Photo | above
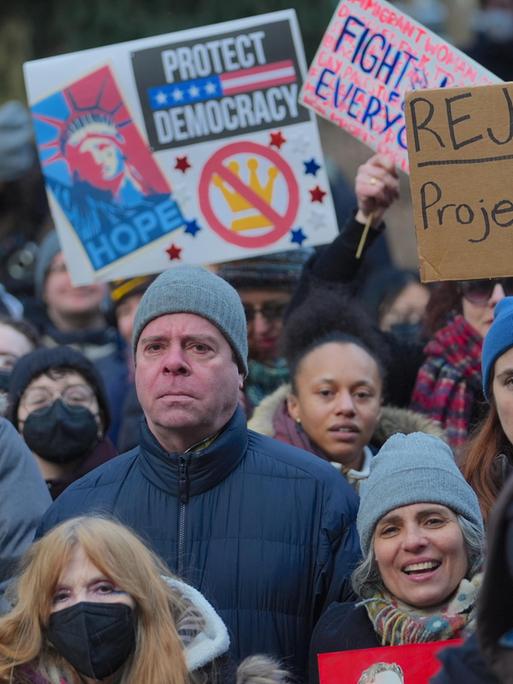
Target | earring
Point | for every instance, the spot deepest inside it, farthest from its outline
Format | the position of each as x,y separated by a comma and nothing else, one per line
298,421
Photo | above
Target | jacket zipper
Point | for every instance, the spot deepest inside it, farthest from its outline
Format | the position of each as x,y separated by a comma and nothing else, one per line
182,484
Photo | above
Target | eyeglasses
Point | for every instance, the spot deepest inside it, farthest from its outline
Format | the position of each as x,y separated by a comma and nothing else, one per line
480,291
271,311
73,395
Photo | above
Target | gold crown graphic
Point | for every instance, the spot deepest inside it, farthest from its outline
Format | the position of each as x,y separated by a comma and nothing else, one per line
238,204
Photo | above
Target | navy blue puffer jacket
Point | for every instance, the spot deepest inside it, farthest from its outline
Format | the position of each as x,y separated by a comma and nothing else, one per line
264,530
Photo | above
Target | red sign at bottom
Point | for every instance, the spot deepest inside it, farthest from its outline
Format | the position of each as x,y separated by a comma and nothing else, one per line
412,664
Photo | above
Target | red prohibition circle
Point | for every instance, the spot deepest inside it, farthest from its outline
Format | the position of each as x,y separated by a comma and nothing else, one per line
282,222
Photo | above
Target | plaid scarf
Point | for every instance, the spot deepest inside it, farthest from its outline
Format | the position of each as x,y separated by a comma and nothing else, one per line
448,384
396,624
263,379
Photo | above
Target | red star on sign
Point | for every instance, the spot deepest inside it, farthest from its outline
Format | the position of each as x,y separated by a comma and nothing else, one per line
182,164
277,139
317,194
174,252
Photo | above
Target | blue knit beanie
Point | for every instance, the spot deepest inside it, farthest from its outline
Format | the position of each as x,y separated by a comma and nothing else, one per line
499,339
191,289
411,469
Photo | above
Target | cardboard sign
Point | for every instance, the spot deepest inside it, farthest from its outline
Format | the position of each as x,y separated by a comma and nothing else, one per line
188,147
412,664
461,157
369,57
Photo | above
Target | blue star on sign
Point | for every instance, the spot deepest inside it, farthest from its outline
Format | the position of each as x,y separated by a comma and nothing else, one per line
298,237
311,167
191,228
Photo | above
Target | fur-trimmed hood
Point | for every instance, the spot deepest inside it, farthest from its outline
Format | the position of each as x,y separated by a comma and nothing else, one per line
392,420
203,633
205,639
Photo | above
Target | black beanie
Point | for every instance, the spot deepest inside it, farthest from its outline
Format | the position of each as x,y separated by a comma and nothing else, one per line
36,363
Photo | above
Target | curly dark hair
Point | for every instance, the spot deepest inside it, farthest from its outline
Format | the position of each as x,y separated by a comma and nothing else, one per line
328,315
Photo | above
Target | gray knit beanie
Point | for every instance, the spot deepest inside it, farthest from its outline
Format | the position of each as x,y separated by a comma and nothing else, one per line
191,289
410,469
45,254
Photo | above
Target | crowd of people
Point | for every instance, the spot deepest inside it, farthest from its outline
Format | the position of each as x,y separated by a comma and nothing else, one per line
216,475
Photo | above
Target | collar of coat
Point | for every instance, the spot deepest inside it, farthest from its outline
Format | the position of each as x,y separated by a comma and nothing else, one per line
194,472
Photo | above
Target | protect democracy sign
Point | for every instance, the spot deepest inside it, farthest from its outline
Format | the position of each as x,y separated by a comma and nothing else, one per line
194,90
188,147
371,55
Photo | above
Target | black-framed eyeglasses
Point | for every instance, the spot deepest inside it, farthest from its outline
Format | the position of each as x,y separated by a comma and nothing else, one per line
271,311
480,291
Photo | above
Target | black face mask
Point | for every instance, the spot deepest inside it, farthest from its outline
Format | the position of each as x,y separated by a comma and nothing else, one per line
60,433
5,376
95,638
407,332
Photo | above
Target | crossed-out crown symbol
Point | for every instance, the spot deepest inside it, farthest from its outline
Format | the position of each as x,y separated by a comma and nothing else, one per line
248,217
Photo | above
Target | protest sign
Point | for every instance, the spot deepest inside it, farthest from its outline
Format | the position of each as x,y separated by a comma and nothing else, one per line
460,143
187,147
369,57
411,664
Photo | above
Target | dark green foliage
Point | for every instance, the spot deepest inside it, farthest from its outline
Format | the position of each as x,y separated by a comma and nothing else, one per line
59,26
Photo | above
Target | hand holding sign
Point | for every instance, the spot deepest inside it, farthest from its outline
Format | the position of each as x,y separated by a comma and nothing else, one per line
377,192
376,188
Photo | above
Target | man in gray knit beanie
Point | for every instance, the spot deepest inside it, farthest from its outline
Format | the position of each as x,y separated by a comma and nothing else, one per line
190,289
262,527
189,388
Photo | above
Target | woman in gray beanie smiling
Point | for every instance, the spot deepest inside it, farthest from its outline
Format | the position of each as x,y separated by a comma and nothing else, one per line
421,534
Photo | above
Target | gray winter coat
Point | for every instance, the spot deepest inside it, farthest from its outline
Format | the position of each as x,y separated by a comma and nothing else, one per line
24,497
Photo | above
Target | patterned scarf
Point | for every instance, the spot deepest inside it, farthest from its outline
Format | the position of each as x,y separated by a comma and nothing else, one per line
263,379
448,385
396,624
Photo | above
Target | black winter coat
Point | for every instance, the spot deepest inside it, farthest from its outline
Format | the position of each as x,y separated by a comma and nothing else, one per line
262,529
464,665
343,627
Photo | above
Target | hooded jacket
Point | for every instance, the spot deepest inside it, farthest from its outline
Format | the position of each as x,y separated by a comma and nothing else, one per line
260,528
206,643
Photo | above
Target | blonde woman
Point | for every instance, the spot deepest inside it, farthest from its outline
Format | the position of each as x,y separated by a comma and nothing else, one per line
94,604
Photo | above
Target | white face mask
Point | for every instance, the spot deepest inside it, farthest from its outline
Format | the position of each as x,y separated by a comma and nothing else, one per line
496,24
